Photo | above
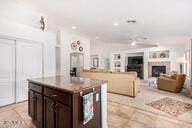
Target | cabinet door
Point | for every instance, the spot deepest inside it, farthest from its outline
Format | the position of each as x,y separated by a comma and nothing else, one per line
63,116
48,113
7,72
31,104
29,65
38,109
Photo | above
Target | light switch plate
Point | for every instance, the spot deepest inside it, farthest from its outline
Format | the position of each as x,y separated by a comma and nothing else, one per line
97,97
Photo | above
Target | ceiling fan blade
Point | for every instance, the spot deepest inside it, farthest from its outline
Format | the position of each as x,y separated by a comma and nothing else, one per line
130,39
148,45
140,38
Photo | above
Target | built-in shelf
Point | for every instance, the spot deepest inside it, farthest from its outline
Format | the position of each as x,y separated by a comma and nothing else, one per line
116,62
117,56
117,70
117,67
162,54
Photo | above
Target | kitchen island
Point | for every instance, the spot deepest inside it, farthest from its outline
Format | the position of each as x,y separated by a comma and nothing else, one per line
57,102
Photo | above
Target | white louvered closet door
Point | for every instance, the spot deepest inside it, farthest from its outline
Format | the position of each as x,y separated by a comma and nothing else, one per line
28,65
7,71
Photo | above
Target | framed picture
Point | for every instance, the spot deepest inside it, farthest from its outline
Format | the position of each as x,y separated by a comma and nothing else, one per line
95,62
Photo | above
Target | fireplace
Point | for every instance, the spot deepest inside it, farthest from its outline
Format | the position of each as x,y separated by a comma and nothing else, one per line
156,70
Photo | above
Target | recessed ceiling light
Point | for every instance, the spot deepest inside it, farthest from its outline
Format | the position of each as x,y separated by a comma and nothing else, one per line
115,24
73,27
133,43
97,37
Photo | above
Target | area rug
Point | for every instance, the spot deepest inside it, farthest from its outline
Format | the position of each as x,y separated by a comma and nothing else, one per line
171,106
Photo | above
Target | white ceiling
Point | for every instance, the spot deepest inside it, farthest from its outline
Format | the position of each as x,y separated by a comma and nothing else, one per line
157,19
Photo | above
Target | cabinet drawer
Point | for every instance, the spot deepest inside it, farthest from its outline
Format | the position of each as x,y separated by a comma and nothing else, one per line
58,96
35,88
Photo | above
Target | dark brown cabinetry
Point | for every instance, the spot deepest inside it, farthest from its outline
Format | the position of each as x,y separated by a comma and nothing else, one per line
57,108
31,102
56,114
48,113
39,109
63,116
35,107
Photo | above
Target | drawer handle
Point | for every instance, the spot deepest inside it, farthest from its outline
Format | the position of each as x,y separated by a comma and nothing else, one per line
54,95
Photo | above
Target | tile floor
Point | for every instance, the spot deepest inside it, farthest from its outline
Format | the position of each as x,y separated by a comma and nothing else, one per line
119,116
150,94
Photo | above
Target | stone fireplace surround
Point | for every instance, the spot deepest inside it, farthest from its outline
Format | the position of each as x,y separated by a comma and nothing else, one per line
162,63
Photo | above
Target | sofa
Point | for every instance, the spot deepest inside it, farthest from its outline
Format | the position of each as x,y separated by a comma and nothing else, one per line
174,83
125,83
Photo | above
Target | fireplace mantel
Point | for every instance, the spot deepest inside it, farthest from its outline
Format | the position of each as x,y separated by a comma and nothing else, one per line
162,63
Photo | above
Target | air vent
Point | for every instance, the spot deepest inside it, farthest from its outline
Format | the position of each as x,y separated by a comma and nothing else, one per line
132,21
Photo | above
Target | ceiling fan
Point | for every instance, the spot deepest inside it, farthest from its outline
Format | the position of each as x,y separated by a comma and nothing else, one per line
137,41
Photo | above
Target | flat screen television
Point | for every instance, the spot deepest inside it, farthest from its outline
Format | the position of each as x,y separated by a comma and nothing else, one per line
135,60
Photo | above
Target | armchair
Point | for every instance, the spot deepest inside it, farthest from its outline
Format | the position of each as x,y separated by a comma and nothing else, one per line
172,84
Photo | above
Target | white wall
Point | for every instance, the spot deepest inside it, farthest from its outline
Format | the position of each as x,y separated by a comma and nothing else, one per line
15,12
188,45
105,48
66,39
19,21
16,30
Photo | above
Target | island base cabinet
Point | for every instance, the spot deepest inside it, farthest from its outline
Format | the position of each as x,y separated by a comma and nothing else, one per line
31,104
52,107
56,114
35,107
48,113
38,110
63,116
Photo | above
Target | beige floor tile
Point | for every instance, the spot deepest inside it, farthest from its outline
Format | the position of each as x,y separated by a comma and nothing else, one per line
5,108
10,119
143,118
134,124
120,110
115,121
162,123
9,115
21,104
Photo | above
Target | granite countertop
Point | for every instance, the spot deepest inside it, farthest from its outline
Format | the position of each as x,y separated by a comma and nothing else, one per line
69,84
